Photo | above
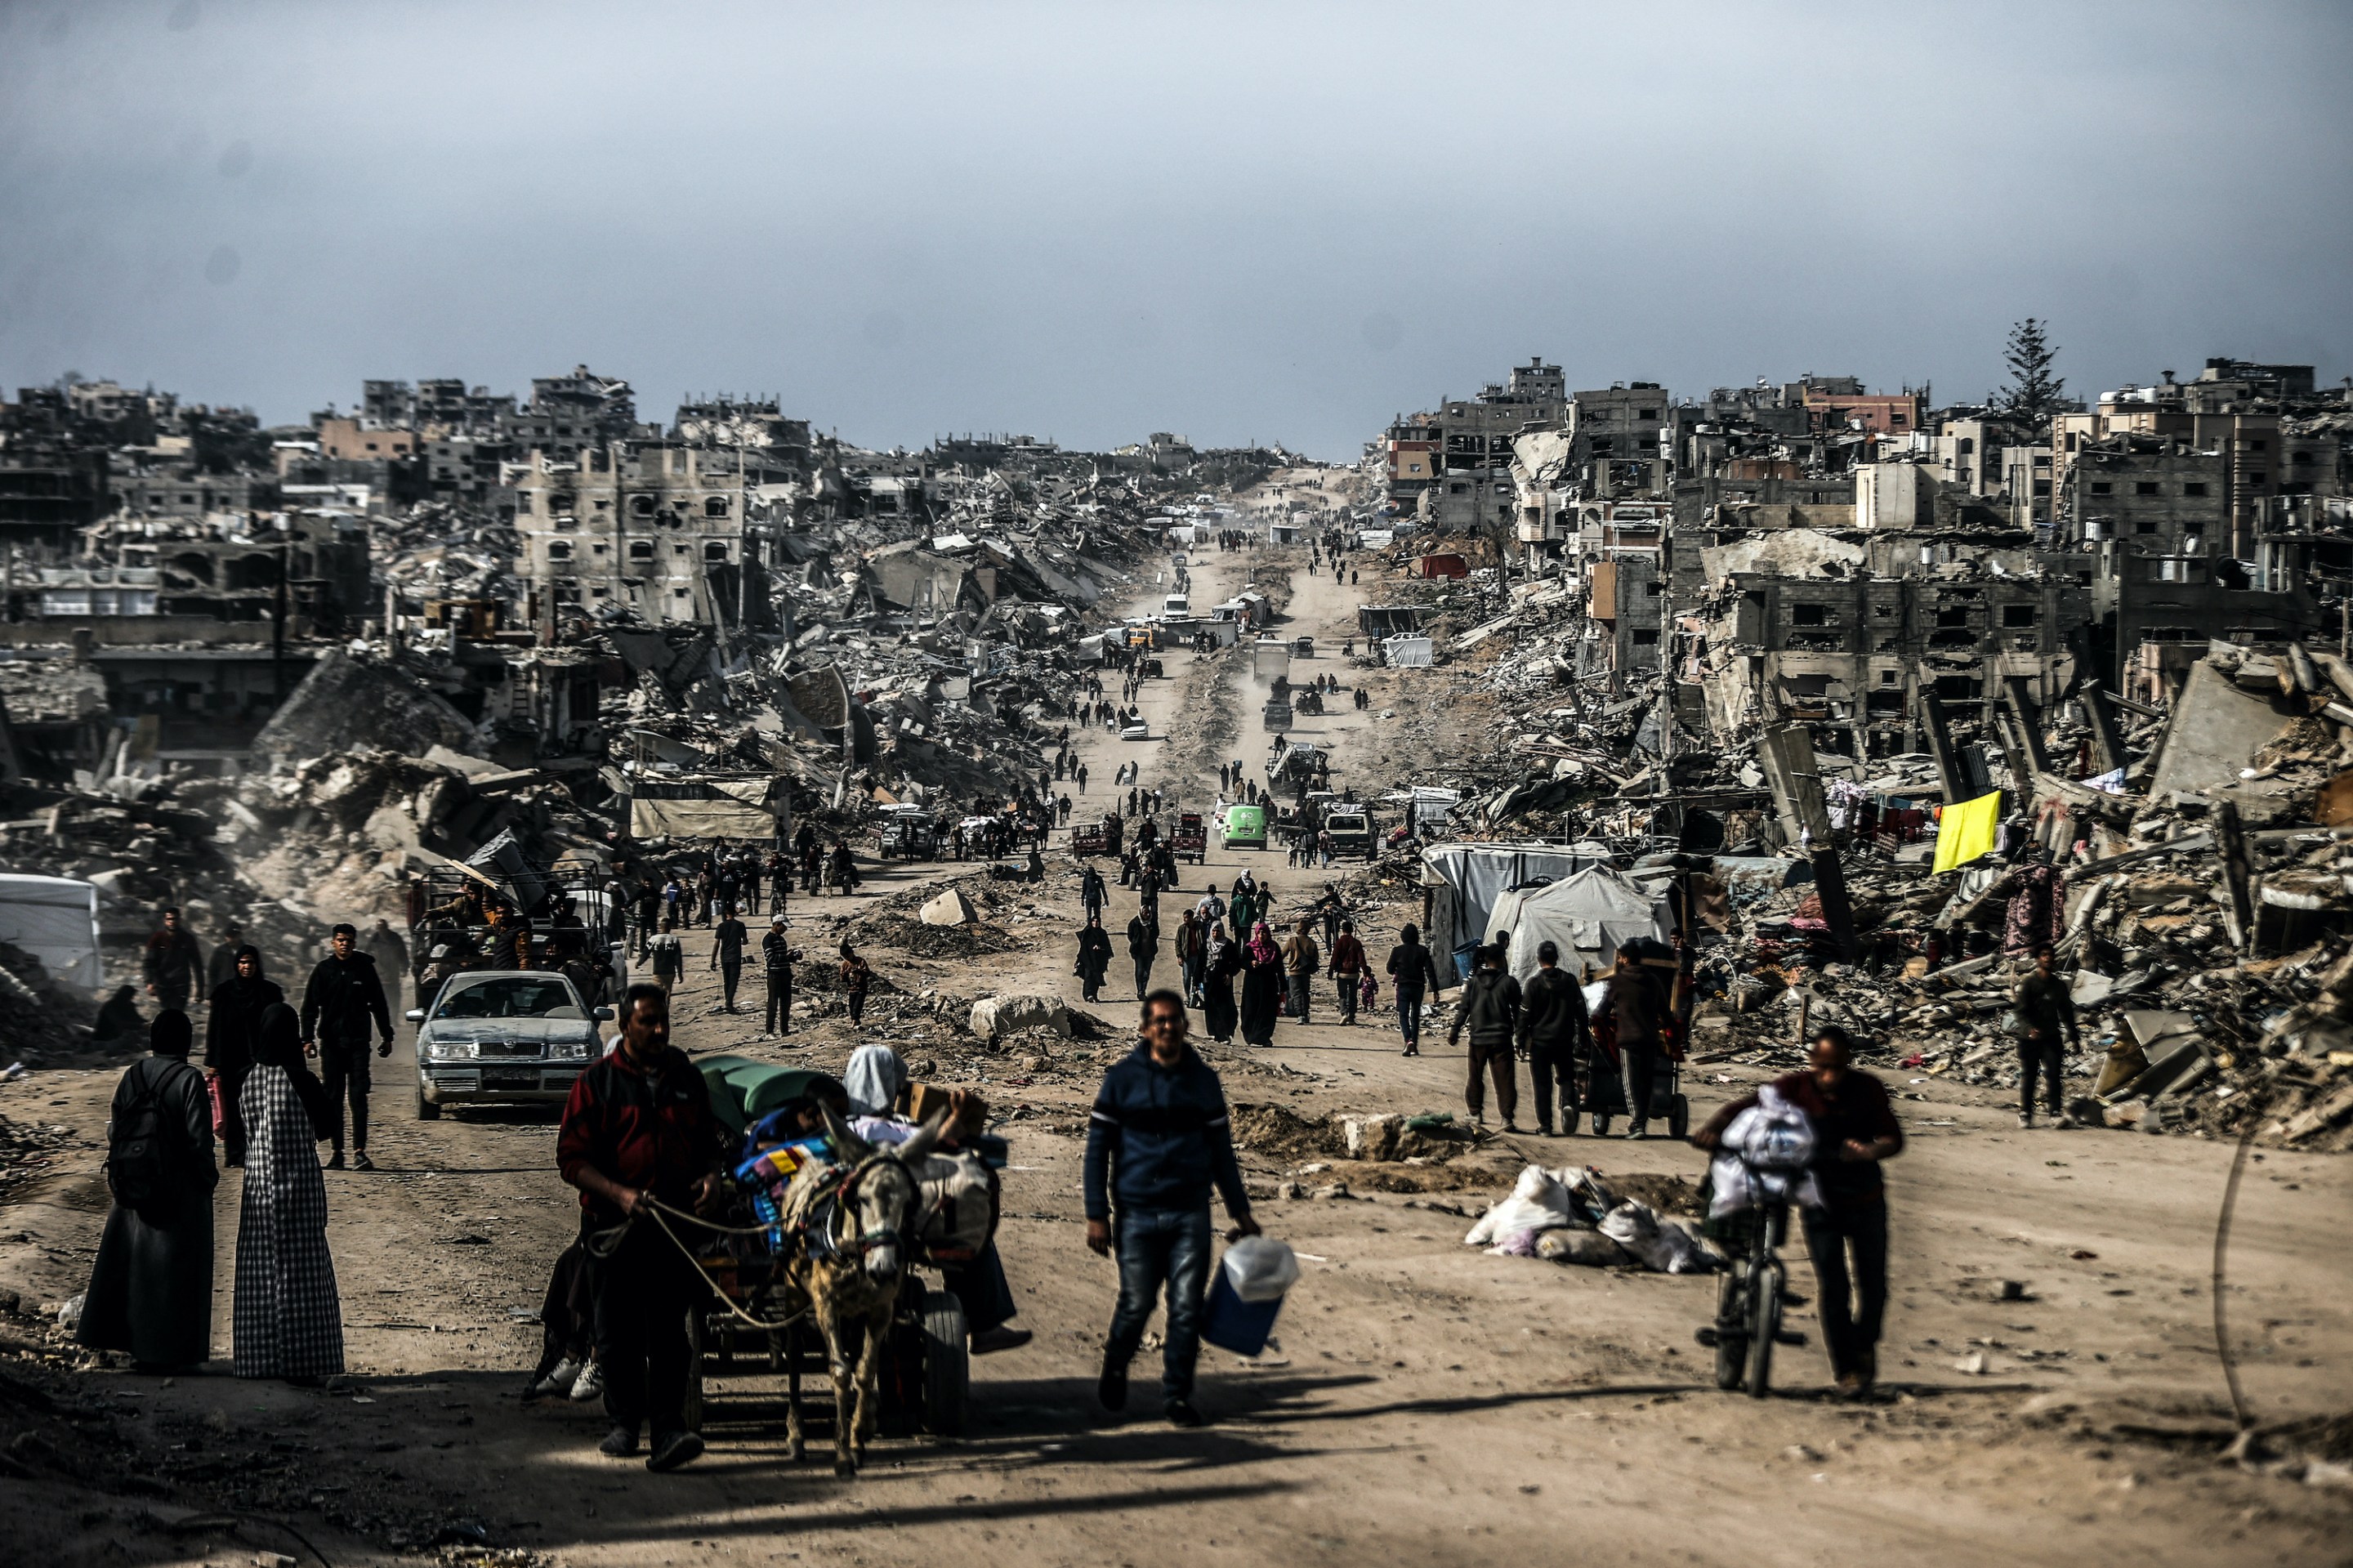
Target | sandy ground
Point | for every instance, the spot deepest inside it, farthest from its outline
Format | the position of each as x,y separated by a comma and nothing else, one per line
1426,1402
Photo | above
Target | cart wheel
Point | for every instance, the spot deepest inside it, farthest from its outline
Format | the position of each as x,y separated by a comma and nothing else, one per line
1600,1124
1568,1121
694,1405
947,1364
425,1109
1678,1116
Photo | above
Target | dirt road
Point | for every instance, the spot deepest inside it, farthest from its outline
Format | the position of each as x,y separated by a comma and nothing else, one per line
1428,1403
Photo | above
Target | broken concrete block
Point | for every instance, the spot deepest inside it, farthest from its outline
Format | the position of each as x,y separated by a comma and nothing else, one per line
994,1017
950,908
1372,1137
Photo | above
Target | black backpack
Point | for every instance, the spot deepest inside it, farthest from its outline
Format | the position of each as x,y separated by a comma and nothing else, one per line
140,1144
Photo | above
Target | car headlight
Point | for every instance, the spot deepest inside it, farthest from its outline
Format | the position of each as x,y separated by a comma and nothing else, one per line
449,1050
571,1051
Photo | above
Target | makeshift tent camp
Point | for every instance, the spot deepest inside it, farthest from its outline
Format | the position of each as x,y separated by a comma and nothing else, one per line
1589,915
1463,882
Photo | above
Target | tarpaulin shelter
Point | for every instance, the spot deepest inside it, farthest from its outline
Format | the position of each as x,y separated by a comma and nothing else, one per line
1590,914
1407,652
1463,883
708,809
54,918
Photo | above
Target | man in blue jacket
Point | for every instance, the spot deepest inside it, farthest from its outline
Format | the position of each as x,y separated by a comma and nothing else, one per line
1159,1140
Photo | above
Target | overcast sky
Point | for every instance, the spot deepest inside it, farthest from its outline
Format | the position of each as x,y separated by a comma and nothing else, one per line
1092,221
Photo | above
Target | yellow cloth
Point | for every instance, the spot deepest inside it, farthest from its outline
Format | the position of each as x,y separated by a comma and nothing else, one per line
1966,831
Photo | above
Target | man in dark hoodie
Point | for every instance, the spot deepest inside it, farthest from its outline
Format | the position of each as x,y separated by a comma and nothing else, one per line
1490,1009
1554,1029
172,963
1158,1142
343,997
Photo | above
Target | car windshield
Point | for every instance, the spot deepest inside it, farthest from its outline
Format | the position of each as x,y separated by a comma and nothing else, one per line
511,996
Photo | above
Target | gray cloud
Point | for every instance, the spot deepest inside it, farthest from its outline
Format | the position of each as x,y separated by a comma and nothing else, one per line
1092,222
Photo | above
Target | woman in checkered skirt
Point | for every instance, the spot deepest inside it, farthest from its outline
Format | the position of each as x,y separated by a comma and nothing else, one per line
289,1320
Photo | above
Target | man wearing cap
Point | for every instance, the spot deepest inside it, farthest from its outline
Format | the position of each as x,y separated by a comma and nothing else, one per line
777,953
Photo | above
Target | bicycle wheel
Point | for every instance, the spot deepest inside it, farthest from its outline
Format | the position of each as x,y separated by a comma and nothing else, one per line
1764,1323
1731,1317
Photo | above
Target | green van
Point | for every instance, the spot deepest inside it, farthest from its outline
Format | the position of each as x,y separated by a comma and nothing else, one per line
1245,828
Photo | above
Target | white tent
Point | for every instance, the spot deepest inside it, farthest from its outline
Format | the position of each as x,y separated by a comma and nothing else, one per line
54,918
1407,652
1589,914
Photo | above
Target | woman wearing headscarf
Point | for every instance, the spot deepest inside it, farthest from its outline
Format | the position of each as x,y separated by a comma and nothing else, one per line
1263,986
151,1291
289,1320
1220,961
1094,958
230,1031
875,1078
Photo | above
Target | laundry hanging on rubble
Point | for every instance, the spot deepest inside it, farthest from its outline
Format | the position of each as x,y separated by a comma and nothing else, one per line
1965,832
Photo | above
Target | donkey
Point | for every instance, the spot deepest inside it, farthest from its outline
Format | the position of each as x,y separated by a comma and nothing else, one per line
848,1271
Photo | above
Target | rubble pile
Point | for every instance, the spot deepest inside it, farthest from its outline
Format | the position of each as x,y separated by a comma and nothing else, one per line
896,922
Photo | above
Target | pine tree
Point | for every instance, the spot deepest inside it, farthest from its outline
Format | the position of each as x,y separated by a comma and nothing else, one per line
2034,394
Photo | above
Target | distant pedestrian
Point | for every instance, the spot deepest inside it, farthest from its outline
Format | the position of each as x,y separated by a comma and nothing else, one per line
232,1028
666,956
1490,1009
777,957
1348,968
2046,1008
1142,947
1553,1034
344,997
221,966
1263,986
171,962
727,942
857,980
1094,961
1628,1031
1301,961
151,1290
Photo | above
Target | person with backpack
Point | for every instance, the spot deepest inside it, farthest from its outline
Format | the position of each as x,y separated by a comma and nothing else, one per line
151,1291
1490,1010
1855,1131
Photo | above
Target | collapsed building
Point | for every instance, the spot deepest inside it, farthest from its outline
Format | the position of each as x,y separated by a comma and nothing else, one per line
278,674
1758,653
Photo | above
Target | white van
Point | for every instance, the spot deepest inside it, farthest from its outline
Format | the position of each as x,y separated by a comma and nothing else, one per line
1176,607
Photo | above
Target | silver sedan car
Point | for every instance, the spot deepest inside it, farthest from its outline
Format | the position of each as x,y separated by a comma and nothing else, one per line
502,1037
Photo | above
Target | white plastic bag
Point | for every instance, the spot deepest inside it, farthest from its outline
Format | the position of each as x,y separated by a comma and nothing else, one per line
1538,1203
1662,1246
1773,1134
1260,1268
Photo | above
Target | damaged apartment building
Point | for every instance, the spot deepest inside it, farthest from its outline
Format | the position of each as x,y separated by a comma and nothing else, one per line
1817,550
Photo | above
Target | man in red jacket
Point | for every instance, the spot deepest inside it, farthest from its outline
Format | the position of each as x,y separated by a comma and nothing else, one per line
1855,1129
637,1128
